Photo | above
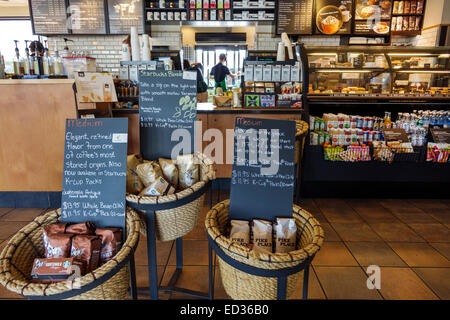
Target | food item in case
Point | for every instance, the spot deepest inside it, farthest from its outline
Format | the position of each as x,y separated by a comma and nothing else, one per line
160,187
400,7
412,23
188,171
419,7
86,228
399,23
134,184
407,7
285,235
87,249
111,242
262,236
170,171
58,245
148,172
55,270
405,24
417,25
394,24
395,8
240,232
413,6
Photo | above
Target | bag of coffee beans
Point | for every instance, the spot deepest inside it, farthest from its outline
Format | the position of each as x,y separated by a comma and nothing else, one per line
188,171
285,235
240,232
148,172
170,171
134,184
57,245
111,242
86,228
52,229
87,249
262,236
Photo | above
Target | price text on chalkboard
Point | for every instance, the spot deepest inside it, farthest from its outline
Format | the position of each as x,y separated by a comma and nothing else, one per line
94,177
262,183
295,16
168,111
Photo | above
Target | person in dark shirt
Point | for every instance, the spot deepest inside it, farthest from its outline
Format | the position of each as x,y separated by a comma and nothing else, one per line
220,72
202,87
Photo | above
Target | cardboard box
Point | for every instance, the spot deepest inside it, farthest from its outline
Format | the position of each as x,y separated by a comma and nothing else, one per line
54,270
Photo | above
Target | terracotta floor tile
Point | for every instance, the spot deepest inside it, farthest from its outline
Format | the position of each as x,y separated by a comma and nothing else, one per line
310,206
374,253
443,248
399,206
432,232
7,229
438,279
162,252
6,294
371,210
345,283
330,234
428,205
395,231
403,284
355,232
219,290
4,211
441,215
142,283
336,210
410,218
334,254
195,253
314,289
27,214
419,254
193,277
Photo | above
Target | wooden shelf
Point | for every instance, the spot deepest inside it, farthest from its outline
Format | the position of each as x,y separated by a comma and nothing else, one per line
406,33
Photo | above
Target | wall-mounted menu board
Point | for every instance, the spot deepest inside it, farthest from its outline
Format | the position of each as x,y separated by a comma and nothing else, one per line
295,16
333,16
88,17
95,171
262,183
48,16
124,14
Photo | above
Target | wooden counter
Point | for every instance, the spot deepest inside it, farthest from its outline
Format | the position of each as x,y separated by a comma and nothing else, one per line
32,126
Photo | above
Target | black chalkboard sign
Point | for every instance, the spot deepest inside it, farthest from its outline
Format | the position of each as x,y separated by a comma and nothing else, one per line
168,111
95,169
263,177
295,16
441,135
395,134
48,17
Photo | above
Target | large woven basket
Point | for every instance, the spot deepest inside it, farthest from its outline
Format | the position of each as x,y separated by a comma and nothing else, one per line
16,261
242,286
174,223
301,131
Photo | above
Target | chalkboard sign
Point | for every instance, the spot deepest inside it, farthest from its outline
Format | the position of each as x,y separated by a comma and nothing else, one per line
263,176
48,17
441,135
124,14
95,169
295,16
88,17
168,102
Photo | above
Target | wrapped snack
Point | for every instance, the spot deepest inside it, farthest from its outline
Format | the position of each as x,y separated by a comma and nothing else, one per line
55,270
86,228
52,229
111,242
285,235
87,249
148,172
262,236
58,246
158,188
381,152
134,184
188,171
170,171
240,232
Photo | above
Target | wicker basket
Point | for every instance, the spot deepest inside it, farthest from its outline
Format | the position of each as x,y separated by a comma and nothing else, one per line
109,282
175,223
242,286
301,129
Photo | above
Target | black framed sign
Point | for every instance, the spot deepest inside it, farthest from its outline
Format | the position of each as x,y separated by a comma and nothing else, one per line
94,172
263,176
441,135
48,17
294,16
168,111
87,17
124,14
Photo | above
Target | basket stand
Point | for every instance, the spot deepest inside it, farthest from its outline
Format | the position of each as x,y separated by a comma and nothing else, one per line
280,274
299,166
149,210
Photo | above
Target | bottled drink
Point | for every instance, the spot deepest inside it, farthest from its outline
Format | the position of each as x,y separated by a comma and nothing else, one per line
387,120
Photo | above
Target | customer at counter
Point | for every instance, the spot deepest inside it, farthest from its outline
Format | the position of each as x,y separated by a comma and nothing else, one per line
202,87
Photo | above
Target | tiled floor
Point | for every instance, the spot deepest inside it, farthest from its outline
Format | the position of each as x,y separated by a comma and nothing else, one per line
408,239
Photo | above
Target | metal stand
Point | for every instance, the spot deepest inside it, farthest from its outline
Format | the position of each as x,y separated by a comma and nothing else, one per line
281,274
150,210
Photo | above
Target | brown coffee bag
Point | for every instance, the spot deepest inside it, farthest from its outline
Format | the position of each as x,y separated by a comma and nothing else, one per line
111,242
240,232
52,229
262,236
148,172
285,235
87,249
58,245
188,171
170,171
85,228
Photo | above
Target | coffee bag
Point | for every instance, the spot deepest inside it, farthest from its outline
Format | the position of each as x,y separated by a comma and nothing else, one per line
85,228
148,172
170,171
158,188
240,232
262,236
134,184
58,245
285,235
52,229
188,171
111,242
87,249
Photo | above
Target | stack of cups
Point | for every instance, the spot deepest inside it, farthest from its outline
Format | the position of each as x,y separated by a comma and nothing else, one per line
135,46
145,48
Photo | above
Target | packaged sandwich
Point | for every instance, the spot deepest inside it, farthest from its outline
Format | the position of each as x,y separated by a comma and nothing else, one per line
58,245
240,232
148,172
111,242
285,235
158,188
170,171
86,228
134,184
188,171
262,236
87,249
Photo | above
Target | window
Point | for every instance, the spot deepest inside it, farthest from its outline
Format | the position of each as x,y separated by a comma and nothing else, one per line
16,30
